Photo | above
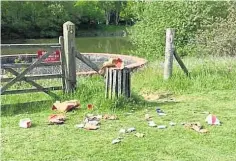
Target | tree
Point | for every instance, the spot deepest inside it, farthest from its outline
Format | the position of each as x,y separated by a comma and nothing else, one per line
186,17
127,11
90,10
219,38
107,7
118,7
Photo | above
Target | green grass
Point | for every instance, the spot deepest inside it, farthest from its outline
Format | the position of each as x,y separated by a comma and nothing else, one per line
211,88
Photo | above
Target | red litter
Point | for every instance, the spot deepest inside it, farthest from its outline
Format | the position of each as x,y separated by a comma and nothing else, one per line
90,106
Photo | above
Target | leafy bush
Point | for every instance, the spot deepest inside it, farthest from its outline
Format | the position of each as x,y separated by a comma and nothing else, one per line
219,38
186,17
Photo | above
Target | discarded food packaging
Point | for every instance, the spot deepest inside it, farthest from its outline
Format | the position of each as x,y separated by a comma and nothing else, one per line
56,119
212,120
65,106
25,123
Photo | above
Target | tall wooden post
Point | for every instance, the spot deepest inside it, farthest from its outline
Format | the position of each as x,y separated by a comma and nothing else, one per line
70,60
169,51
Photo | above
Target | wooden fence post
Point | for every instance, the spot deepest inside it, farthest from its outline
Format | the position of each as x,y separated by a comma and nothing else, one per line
169,51
70,60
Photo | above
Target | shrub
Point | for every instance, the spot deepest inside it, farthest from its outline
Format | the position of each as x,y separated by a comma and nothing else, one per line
219,38
186,17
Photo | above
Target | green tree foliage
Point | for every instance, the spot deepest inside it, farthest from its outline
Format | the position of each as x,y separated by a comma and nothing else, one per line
107,7
89,10
34,19
219,38
186,17
126,13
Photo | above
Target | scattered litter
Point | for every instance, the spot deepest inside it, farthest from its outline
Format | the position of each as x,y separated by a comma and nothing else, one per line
56,119
160,112
90,117
79,126
148,117
65,106
112,62
110,117
131,130
25,123
116,141
122,131
152,124
196,126
94,122
139,135
90,106
172,124
161,127
212,120
90,122
89,126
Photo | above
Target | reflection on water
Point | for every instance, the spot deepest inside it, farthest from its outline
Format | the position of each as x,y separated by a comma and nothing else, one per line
116,45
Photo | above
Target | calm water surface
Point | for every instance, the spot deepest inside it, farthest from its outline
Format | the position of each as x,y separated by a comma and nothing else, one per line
116,45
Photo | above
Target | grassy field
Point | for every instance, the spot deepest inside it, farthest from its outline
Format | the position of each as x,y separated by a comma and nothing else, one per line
211,87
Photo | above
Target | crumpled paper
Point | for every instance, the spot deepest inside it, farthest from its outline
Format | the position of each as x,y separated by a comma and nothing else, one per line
56,119
65,106
112,62
196,126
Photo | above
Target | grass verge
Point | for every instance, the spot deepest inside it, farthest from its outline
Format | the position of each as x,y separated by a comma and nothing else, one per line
210,88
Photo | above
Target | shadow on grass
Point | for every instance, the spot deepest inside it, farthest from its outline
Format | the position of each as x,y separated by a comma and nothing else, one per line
27,107
137,102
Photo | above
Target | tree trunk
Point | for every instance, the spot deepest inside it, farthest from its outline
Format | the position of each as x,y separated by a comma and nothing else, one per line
117,17
107,14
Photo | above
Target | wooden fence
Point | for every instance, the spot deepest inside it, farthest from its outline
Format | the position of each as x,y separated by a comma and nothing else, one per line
68,55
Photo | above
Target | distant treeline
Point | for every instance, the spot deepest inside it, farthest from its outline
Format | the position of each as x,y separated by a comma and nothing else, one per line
201,27
44,19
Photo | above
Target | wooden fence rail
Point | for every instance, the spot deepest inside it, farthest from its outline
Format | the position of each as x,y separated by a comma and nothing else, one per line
18,46
35,77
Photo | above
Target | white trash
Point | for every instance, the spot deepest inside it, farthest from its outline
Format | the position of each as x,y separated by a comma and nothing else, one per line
161,127
212,120
131,129
152,124
122,131
172,124
25,123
